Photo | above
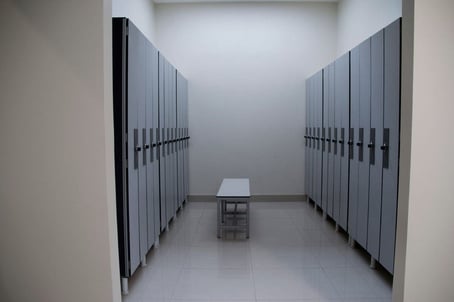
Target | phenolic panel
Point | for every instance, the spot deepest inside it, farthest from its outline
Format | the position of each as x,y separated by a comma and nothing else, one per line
154,82
318,102
307,142
162,146
324,137
362,140
391,140
331,144
148,145
335,141
309,162
135,95
376,136
342,84
353,133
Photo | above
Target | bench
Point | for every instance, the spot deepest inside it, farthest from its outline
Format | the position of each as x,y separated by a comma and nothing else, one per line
233,194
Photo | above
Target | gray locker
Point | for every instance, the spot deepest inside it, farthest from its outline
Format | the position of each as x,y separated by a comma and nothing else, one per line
180,126
390,145
360,118
170,207
129,102
150,143
324,139
342,93
309,150
331,144
317,103
161,145
186,141
361,143
135,94
376,136
336,149
307,142
353,133
154,133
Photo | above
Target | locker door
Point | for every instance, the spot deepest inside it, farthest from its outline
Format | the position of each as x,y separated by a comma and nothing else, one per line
376,134
148,143
331,104
186,151
323,139
141,94
154,139
178,141
361,142
168,168
335,146
169,164
162,139
390,146
309,125
307,143
353,134
135,94
319,136
318,121
180,93
175,144
314,136
343,98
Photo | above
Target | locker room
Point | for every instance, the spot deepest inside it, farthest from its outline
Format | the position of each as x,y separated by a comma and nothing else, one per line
205,150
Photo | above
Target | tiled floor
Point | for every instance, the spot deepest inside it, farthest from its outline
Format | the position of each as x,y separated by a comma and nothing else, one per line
292,255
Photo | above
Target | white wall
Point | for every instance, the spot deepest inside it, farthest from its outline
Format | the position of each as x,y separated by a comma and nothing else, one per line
246,64
426,265
57,206
360,19
140,12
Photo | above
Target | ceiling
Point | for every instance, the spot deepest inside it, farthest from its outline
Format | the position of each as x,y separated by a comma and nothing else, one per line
237,1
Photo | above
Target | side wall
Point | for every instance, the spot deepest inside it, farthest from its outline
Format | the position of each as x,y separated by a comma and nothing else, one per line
140,12
57,204
425,246
360,19
246,64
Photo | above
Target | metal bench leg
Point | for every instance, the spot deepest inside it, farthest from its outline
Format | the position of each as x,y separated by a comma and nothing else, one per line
247,215
219,218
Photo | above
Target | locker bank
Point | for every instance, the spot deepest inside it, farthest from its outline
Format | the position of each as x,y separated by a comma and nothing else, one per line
169,150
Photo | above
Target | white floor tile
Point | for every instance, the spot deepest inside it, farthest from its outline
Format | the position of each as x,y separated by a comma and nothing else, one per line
292,284
292,255
284,257
215,284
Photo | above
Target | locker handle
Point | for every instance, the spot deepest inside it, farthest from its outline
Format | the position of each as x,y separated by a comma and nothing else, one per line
341,142
327,139
350,143
146,146
154,145
317,138
138,148
359,144
384,147
370,145
334,141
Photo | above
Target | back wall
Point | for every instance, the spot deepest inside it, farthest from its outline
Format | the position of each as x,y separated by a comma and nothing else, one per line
246,64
